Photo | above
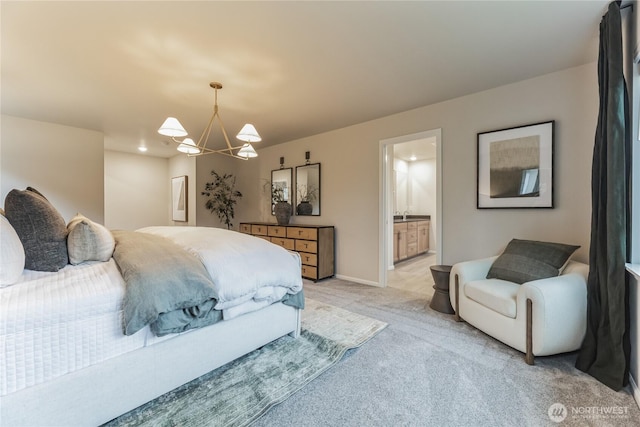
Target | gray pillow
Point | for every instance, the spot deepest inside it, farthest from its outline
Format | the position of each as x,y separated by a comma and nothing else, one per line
40,227
526,260
88,241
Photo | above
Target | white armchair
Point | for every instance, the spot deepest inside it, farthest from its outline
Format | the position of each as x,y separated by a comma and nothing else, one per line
539,318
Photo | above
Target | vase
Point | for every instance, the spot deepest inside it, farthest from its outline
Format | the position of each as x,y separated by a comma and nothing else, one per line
304,208
283,212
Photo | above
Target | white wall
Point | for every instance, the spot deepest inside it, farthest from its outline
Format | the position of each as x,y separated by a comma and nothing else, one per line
349,158
63,163
137,191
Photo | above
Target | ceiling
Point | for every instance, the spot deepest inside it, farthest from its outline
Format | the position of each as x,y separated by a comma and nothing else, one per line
293,69
420,149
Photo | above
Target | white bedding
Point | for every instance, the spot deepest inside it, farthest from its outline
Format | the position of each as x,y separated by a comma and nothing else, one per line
242,267
55,323
52,324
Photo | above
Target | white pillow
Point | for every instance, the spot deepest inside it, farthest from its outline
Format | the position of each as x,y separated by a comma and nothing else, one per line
88,241
11,254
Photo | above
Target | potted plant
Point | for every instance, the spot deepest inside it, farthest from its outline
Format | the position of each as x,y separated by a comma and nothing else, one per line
222,197
306,194
281,208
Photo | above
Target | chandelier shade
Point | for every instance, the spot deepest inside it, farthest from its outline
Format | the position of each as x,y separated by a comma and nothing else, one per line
247,151
248,134
188,146
172,127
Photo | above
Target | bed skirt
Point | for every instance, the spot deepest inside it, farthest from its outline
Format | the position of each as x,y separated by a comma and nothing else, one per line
101,392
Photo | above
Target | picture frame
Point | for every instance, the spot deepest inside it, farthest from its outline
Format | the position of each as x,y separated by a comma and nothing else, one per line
515,167
179,200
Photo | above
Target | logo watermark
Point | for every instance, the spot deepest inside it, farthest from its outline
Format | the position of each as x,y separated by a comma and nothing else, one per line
558,412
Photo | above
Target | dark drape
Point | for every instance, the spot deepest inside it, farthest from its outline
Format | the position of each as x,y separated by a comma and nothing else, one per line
605,350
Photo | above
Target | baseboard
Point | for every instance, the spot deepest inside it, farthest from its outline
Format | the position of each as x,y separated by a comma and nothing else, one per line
635,390
357,280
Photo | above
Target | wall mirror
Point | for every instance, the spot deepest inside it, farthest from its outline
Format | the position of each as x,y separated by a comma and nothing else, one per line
308,189
281,186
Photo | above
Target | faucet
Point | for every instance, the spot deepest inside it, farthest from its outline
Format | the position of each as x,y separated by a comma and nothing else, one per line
404,215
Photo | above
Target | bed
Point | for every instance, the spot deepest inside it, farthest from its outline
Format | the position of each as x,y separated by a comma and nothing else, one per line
68,353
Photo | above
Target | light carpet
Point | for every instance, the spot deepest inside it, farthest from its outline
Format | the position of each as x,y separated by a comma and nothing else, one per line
240,392
426,369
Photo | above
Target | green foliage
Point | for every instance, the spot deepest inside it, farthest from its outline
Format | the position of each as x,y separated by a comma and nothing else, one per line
222,196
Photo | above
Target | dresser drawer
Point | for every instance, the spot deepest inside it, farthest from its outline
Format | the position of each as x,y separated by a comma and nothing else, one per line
314,244
309,259
285,243
412,235
302,233
412,225
309,272
277,231
259,229
310,246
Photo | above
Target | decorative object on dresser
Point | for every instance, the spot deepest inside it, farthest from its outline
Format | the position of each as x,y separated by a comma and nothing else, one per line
410,237
281,193
314,243
282,211
222,196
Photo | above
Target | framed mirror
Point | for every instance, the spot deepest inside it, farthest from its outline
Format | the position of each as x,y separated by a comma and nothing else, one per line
308,189
281,186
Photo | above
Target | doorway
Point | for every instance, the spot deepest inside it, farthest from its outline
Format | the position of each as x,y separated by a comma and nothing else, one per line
388,203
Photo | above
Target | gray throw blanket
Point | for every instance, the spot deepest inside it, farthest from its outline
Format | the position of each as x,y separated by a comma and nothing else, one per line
167,287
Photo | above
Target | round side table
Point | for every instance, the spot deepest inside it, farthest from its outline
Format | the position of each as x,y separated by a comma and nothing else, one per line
440,301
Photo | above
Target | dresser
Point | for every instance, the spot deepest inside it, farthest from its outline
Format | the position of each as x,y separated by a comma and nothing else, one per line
314,243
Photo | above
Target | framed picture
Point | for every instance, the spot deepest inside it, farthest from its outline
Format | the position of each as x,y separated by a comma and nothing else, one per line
515,167
179,198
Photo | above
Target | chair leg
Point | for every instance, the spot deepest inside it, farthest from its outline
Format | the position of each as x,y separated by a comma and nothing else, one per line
456,316
529,356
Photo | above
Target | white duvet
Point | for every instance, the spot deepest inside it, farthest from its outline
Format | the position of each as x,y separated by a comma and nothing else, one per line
245,270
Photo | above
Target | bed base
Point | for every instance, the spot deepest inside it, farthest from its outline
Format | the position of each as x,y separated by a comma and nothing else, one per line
99,393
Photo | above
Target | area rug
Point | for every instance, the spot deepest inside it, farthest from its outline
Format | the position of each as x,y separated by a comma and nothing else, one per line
240,392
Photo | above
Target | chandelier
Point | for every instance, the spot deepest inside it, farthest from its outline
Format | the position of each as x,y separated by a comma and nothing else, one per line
248,134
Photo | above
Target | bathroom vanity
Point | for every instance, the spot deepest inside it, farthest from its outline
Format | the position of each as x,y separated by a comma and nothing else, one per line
410,236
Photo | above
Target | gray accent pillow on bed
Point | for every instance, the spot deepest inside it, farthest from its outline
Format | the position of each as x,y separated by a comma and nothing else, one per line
41,228
88,241
526,260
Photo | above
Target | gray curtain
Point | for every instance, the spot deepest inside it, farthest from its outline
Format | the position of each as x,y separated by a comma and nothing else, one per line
605,350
